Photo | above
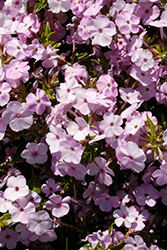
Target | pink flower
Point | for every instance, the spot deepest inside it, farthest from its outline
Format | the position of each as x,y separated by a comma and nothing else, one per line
130,156
4,96
9,238
16,188
101,237
127,22
38,102
72,150
102,169
79,130
56,6
58,206
146,195
35,153
19,211
50,187
130,95
39,222
4,203
106,202
16,69
18,116
161,175
72,169
135,243
123,217
101,30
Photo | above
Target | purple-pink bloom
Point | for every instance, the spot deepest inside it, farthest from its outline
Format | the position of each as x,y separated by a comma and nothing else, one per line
57,205
135,243
16,188
123,216
130,156
16,69
4,93
37,102
106,202
9,238
161,175
101,30
102,169
50,187
99,237
35,153
39,222
18,116
146,195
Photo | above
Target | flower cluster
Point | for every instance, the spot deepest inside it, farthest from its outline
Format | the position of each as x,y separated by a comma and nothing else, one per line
83,131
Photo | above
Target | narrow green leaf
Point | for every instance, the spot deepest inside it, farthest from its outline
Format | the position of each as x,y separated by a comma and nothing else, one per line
39,6
34,183
117,247
151,125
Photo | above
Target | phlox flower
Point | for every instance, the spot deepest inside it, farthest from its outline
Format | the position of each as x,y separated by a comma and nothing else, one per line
130,95
140,217
101,30
34,198
161,175
36,49
146,195
111,124
3,126
133,126
16,69
127,22
93,191
135,243
76,170
130,156
57,205
161,95
82,28
50,57
16,188
107,85
21,4
78,130
102,169
54,137
16,48
4,93
9,238
99,237
39,222
28,24
106,202
145,60
35,153
4,203
77,7
21,209
37,102
50,187
72,150
94,8
123,217
56,6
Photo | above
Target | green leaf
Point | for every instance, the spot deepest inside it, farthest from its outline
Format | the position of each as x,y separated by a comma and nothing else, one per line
47,29
39,6
34,183
81,55
117,247
17,156
4,219
110,228
151,125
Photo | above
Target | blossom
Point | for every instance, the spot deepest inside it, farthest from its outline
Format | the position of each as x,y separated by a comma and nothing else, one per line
79,130
16,69
50,187
56,6
38,102
101,30
35,153
146,195
39,222
18,116
99,237
130,156
102,169
127,22
9,238
161,175
106,202
4,93
135,243
19,211
4,203
123,217
16,188
57,205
